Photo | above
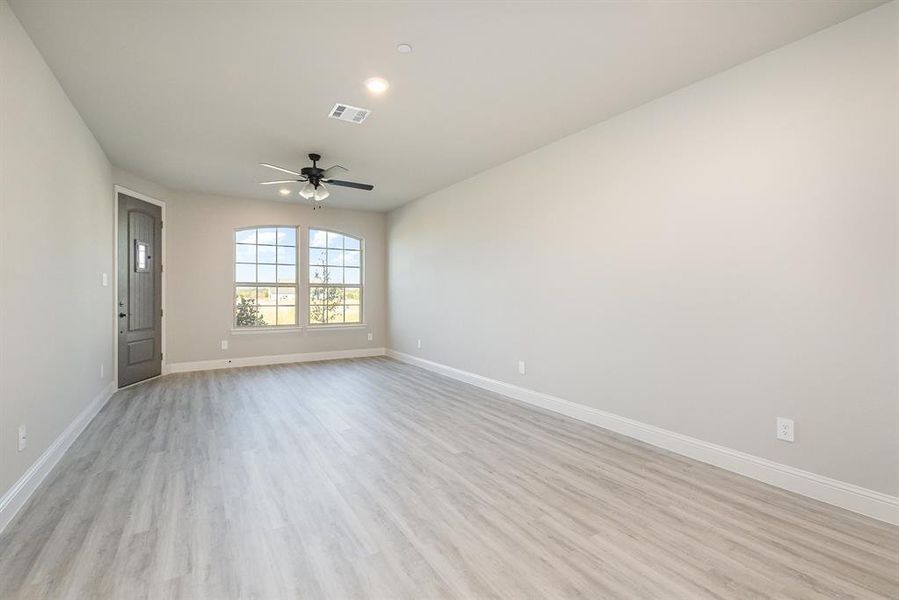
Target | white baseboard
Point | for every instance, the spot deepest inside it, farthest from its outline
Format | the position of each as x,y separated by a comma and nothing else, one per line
276,359
16,497
832,491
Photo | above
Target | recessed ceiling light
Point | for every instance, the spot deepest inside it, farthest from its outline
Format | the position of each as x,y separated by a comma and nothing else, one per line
284,192
376,85
403,48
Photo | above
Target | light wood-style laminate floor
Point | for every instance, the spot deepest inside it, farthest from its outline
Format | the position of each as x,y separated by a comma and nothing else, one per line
369,478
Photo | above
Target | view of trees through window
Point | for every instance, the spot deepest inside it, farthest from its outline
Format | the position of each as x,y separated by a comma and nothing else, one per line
335,278
265,277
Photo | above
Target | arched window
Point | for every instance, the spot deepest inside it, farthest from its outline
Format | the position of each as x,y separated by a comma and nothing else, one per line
265,276
335,278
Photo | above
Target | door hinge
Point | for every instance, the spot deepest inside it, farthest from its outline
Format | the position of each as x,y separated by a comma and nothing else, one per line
161,267
161,312
161,224
161,355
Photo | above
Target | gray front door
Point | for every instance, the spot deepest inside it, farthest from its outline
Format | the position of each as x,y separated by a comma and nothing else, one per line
139,307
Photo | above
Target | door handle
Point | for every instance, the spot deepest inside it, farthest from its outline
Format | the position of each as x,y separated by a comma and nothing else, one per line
122,315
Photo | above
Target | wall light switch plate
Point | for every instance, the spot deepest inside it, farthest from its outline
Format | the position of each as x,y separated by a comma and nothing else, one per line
105,280
23,438
786,429
419,344
521,367
224,344
371,336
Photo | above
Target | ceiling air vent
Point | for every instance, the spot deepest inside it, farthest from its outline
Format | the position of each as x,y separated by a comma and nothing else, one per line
345,112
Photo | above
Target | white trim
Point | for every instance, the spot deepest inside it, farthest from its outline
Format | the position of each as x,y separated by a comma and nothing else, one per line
267,329
297,328
832,491
277,359
16,497
307,285
116,189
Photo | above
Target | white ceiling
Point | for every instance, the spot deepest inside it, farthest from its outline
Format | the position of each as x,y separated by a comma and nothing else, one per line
193,95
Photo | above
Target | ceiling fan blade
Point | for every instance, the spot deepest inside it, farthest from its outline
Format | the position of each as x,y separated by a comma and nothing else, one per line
279,169
351,184
280,181
331,171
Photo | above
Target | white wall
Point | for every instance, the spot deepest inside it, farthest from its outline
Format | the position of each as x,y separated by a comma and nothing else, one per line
199,274
141,185
200,277
703,263
55,242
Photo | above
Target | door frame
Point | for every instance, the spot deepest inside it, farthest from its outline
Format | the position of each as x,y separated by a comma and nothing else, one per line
120,189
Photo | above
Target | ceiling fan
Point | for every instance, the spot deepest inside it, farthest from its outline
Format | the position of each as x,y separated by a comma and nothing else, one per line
314,178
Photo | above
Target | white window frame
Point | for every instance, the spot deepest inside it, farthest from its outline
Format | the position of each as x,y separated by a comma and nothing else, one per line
309,284
297,284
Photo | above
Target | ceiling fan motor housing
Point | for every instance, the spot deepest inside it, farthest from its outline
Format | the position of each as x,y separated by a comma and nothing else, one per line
313,173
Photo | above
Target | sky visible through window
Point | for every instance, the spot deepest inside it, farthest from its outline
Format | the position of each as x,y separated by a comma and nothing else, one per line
265,277
335,278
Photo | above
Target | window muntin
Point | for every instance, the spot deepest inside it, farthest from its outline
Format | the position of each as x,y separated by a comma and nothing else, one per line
265,277
335,278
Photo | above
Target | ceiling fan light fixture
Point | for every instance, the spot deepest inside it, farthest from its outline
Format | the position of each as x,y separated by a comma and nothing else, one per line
321,192
307,191
284,191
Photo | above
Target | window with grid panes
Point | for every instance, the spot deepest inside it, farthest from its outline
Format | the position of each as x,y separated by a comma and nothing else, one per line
265,277
335,278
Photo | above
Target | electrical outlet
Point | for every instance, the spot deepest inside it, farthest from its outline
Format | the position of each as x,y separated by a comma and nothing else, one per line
23,438
785,429
371,336
102,370
521,367
224,344
419,344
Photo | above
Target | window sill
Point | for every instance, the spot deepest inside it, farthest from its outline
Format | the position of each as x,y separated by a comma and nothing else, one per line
255,330
336,327
297,329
